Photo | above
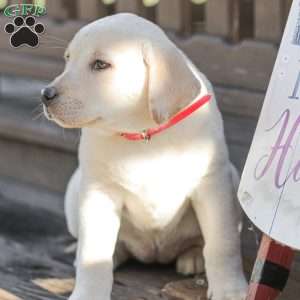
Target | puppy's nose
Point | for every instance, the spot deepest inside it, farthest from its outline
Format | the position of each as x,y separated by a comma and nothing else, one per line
48,94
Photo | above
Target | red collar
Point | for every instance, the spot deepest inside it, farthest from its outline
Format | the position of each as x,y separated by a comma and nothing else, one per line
148,133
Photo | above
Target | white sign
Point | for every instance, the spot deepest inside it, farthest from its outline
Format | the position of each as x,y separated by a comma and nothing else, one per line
270,187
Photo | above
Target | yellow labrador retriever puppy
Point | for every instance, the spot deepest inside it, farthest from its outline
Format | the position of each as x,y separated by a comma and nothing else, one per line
144,199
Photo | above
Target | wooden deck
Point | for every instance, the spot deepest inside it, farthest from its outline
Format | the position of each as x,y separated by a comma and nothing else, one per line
36,264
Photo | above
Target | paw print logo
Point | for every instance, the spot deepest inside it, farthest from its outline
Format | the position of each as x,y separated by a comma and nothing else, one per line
24,31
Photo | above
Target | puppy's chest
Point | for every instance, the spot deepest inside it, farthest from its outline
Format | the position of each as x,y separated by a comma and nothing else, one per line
159,174
157,184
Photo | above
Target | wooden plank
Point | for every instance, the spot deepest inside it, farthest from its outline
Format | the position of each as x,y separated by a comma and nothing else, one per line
56,286
222,18
42,166
246,19
269,20
239,130
5,295
91,10
131,6
61,9
286,9
32,66
251,71
175,15
45,146
240,102
70,8
34,131
55,9
186,289
238,155
32,195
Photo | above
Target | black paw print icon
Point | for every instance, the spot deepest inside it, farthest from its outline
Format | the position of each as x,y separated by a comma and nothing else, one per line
24,31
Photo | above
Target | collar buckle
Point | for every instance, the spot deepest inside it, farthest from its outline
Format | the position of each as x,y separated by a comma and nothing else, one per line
146,136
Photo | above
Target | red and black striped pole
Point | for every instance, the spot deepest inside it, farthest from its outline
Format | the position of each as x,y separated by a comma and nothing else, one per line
271,270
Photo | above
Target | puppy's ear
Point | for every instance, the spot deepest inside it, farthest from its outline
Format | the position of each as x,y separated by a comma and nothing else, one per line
172,84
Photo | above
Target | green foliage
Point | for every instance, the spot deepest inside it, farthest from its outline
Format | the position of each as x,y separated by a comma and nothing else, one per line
40,2
3,3
199,1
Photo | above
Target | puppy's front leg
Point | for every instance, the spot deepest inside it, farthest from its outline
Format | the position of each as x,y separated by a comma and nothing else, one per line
99,222
218,218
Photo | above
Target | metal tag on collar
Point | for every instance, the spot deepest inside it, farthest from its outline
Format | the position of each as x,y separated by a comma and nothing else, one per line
146,136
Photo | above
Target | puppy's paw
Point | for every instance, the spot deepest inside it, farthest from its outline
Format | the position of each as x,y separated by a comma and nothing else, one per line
237,295
190,262
234,292
86,296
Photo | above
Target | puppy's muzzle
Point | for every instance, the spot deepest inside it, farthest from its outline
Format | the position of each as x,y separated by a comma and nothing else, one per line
48,95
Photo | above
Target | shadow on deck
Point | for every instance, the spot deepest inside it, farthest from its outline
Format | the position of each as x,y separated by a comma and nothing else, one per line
35,263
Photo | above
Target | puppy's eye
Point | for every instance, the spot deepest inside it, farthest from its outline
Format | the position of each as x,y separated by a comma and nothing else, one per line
100,65
67,56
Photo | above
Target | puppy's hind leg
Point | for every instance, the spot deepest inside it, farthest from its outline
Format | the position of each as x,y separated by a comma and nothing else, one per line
218,219
71,203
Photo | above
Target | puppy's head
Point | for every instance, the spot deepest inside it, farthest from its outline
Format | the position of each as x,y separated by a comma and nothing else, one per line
121,73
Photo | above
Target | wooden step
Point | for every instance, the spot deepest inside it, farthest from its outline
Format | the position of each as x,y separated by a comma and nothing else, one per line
31,195
41,153
35,151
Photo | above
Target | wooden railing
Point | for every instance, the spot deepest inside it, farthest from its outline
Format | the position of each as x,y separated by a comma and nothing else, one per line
234,42
232,19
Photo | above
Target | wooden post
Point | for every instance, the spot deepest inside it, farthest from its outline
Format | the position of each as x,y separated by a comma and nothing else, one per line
175,15
132,6
269,19
222,18
61,9
271,270
286,9
56,9
90,10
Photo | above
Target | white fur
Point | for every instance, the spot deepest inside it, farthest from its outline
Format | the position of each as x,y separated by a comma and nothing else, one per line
145,199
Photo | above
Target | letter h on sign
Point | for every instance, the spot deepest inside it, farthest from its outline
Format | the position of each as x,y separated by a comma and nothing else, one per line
295,94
